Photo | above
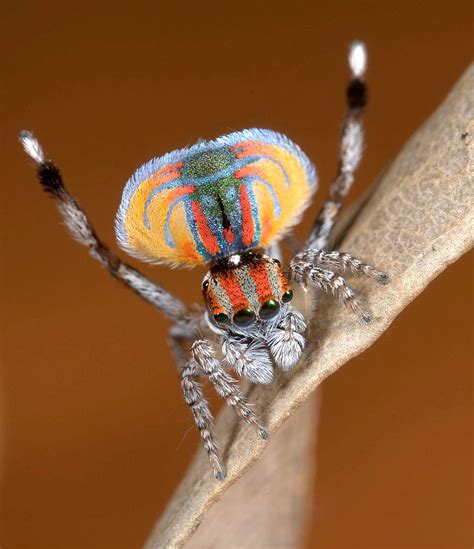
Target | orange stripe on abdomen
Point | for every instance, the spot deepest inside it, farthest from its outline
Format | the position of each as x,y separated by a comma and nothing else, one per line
166,174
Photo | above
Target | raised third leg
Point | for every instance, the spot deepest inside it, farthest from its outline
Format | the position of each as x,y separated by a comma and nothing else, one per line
352,140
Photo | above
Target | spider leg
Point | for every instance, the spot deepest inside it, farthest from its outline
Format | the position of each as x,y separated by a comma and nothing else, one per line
180,336
351,146
81,229
329,282
340,261
285,339
224,384
194,397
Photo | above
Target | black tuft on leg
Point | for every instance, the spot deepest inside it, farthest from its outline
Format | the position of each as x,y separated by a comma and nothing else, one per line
356,94
51,180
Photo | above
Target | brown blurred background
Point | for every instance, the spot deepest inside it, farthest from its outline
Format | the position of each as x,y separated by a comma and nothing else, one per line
94,431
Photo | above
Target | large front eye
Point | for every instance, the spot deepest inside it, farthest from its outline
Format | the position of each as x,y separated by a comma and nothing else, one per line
287,296
221,318
269,309
244,317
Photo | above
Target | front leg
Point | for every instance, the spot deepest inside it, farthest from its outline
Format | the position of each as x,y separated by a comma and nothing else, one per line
204,361
194,398
224,384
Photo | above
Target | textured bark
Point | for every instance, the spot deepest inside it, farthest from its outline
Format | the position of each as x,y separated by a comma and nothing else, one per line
416,221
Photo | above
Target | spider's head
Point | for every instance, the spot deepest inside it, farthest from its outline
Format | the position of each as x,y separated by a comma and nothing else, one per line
245,288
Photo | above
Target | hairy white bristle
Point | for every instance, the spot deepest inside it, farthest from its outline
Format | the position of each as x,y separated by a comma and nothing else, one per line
351,147
32,146
358,59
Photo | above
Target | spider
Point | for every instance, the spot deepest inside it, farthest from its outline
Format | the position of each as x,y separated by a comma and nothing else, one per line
227,203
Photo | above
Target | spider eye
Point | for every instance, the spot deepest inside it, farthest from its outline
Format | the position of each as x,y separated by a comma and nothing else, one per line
244,317
205,285
269,309
221,318
277,261
287,296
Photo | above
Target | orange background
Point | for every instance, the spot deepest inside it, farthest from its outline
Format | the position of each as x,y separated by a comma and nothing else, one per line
94,431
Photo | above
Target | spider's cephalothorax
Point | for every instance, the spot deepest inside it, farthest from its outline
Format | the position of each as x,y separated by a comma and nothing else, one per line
225,204
246,289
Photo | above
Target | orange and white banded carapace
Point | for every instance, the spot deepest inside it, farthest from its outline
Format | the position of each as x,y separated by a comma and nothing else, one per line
245,287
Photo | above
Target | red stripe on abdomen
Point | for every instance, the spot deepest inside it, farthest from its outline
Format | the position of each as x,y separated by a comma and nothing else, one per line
205,233
166,174
179,191
229,235
248,229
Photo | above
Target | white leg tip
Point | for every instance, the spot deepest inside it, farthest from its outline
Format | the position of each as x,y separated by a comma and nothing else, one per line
31,146
358,59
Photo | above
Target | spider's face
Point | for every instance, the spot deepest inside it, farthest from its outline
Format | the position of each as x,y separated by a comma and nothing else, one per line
245,288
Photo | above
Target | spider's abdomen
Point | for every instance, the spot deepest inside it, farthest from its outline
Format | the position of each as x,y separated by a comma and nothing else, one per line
215,199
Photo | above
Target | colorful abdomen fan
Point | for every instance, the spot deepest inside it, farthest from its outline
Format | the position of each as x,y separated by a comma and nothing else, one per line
216,198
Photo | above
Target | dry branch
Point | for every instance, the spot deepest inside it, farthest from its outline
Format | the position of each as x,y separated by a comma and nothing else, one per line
270,506
417,220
